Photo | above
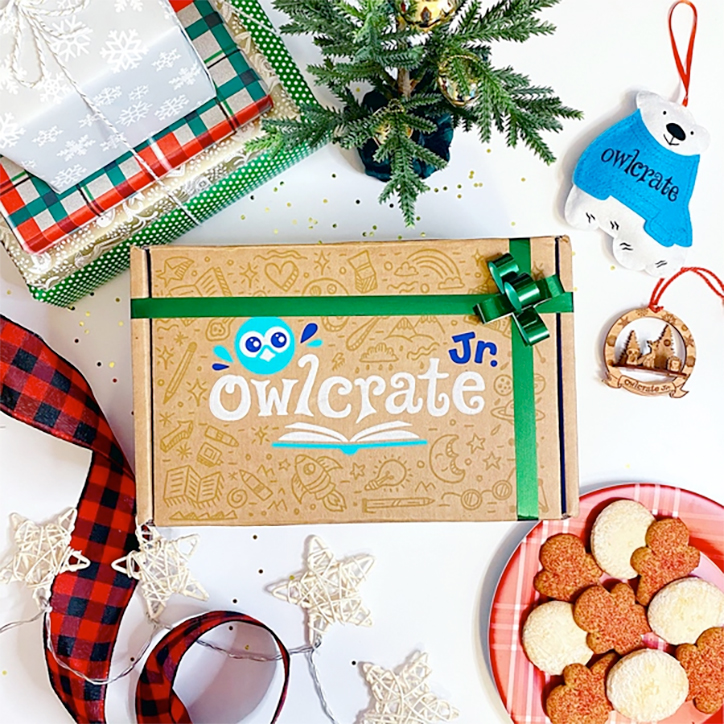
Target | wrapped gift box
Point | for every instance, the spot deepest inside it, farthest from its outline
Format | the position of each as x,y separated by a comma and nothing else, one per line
41,217
351,382
133,63
84,260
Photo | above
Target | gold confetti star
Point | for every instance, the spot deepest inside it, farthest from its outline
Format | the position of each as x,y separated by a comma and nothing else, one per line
405,697
43,552
161,566
184,451
284,464
492,461
476,443
357,471
261,433
321,262
328,589
180,338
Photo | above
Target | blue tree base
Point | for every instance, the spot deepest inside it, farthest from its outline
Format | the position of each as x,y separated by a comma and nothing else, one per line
438,142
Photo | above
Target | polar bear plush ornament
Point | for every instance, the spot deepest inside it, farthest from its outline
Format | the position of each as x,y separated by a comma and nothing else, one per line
635,182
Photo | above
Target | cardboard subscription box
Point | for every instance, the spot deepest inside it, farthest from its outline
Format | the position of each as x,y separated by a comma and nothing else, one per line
354,382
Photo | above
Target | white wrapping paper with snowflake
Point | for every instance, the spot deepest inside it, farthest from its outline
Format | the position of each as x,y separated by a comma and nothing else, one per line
69,67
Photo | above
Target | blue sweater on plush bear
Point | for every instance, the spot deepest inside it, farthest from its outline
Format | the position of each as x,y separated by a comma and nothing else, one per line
628,163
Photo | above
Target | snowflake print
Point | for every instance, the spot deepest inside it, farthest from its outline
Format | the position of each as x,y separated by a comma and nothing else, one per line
166,60
123,50
171,107
49,136
89,120
114,142
10,131
75,148
138,92
70,176
186,76
70,38
8,82
108,95
135,113
122,5
53,88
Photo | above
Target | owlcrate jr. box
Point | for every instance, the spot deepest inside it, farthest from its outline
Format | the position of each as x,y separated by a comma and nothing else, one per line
354,382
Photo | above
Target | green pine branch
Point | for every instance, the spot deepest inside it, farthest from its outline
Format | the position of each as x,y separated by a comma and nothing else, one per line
368,42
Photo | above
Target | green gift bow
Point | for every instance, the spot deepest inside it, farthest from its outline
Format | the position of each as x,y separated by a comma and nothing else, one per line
519,295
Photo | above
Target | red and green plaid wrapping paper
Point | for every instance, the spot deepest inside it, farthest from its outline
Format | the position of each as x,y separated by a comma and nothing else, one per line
41,218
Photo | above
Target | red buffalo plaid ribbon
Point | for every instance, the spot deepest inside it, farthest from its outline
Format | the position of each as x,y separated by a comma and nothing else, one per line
156,701
41,389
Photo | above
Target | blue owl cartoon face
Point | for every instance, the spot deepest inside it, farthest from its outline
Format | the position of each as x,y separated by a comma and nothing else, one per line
264,345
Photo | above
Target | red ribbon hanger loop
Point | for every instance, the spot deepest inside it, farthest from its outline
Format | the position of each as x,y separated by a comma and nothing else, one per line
156,700
684,69
710,279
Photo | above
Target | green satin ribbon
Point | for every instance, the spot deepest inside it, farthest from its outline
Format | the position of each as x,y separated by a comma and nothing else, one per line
367,306
519,295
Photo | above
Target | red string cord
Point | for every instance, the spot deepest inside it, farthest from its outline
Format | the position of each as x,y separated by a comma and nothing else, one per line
684,70
710,279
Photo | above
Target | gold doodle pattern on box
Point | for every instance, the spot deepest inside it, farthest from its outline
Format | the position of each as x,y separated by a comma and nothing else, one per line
346,419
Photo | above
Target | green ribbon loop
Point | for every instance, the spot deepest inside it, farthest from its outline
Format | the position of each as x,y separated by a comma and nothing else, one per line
519,295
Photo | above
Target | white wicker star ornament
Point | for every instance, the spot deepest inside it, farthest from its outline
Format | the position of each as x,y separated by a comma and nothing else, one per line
43,552
405,697
328,589
161,566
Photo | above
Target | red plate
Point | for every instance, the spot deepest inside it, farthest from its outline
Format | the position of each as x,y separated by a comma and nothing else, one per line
520,684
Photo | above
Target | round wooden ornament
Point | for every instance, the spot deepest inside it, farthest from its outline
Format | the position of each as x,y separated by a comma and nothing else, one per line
653,368
666,361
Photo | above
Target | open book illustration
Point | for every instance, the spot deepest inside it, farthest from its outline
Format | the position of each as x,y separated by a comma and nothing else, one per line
387,434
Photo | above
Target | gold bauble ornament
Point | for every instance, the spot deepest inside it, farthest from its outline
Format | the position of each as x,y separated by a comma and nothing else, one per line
426,14
382,133
451,90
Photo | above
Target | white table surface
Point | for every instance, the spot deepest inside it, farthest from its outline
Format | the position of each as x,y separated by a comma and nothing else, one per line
432,584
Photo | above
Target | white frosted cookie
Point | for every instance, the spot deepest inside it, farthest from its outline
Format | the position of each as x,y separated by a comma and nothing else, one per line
647,686
552,639
680,612
618,531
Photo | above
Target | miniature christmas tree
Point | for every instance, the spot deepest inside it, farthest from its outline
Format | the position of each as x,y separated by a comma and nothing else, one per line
428,63
632,351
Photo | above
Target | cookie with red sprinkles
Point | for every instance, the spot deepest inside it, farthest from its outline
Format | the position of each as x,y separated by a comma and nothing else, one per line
581,699
612,619
704,666
567,568
667,556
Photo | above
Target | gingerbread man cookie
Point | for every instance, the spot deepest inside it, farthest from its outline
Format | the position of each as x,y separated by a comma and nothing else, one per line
667,556
567,568
613,620
582,698
704,665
